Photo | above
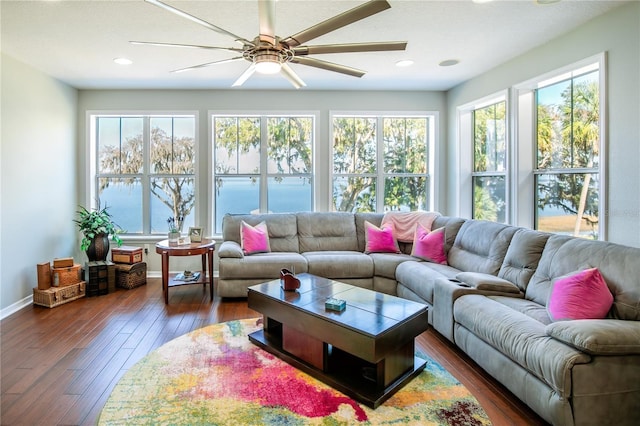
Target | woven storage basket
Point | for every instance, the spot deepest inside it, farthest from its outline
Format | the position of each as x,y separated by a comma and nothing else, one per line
56,296
65,276
131,276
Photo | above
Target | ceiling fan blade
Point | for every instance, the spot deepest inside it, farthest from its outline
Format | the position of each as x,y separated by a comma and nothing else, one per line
267,15
191,46
245,76
329,66
208,64
199,21
357,13
292,76
350,47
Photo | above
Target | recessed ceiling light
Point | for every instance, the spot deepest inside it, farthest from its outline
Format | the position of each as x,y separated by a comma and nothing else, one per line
482,1
123,61
404,63
449,62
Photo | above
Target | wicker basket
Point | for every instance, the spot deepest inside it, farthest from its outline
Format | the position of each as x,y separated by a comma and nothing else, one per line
131,276
56,296
65,276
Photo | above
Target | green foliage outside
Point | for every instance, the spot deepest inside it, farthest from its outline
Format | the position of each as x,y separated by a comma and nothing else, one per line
172,159
568,137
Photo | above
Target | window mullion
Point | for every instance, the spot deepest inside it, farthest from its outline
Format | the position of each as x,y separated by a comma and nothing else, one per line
146,175
264,159
380,171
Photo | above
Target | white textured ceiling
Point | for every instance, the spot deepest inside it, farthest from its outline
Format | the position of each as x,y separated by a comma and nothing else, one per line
76,41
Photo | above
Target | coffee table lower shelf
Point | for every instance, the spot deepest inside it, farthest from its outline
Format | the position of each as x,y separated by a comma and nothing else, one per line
347,379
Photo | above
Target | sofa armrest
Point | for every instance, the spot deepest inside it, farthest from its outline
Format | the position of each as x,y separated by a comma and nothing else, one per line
445,293
230,249
487,282
598,336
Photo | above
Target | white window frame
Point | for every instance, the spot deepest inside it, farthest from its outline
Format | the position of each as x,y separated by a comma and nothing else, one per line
432,118
91,194
465,159
523,99
264,175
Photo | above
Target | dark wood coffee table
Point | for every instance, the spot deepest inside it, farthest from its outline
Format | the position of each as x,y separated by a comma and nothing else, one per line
365,351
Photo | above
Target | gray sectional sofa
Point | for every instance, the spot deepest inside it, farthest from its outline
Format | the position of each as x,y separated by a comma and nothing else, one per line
489,300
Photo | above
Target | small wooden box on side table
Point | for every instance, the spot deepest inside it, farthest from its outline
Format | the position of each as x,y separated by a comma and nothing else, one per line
205,248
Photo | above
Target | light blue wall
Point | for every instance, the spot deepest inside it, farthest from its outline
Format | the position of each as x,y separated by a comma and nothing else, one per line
618,34
38,165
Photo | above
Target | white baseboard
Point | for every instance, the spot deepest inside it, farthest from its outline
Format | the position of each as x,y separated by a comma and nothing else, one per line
11,309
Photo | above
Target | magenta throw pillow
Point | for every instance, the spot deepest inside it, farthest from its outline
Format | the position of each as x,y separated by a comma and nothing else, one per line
254,239
580,295
429,246
380,240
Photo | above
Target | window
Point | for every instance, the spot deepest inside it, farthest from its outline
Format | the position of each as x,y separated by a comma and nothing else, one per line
145,169
387,152
568,153
489,162
262,164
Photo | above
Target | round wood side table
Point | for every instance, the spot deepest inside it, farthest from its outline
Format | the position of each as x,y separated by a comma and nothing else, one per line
204,248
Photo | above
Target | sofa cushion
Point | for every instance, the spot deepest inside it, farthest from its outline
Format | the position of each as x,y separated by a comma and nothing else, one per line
420,277
339,264
283,229
380,240
261,265
430,246
335,231
522,257
580,295
599,337
618,265
385,264
524,306
254,239
521,338
480,246
452,226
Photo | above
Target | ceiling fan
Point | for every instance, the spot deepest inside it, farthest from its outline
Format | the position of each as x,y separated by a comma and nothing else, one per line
270,54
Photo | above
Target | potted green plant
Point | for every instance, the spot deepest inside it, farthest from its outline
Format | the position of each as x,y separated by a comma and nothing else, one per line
97,226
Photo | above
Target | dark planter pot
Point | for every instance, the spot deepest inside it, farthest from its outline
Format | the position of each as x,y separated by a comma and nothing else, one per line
99,248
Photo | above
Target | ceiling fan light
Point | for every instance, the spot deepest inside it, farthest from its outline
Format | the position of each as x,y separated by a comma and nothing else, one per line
267,63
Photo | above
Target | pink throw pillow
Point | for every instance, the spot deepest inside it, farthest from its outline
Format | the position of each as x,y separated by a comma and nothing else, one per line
581,295
254,239
380,240
429,245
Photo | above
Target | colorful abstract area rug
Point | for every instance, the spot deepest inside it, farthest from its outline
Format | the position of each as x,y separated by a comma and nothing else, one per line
215,376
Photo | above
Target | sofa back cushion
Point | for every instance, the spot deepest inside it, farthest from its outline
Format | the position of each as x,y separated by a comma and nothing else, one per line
618,265
480,246
334,231
451,227
282,227
523,255
374,219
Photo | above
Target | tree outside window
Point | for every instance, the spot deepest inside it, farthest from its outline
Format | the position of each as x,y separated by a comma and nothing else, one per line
146,170
489,162
259,174
401,169
568,149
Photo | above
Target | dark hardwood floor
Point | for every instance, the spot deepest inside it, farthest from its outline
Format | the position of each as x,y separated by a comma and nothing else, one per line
58,366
